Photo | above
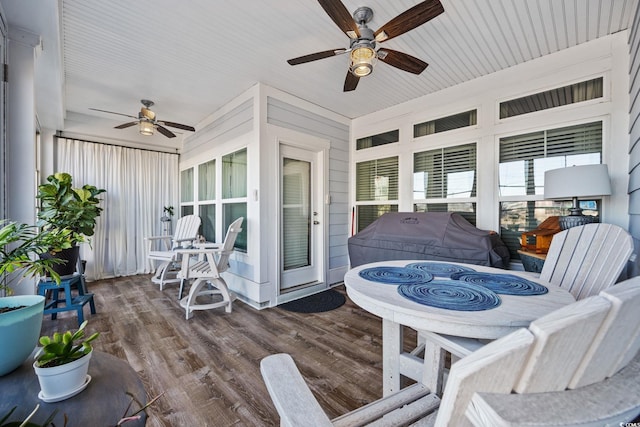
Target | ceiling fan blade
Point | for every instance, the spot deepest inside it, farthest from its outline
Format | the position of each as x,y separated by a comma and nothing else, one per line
126,125
402,61
166,132
316,56
410,19
113,112
350,82
178,125
341,16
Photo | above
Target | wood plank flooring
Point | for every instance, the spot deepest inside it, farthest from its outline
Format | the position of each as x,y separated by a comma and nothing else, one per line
208,366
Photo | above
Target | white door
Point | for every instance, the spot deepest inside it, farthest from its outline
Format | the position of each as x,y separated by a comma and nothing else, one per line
301,228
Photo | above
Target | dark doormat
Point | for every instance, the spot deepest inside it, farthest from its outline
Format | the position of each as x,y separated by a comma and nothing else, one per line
317,303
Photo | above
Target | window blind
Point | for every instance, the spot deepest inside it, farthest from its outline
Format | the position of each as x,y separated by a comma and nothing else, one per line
525,158
445,173
377,179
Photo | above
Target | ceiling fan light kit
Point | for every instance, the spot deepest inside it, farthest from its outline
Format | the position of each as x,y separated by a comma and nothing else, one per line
363,40
147,123
146,127
362,58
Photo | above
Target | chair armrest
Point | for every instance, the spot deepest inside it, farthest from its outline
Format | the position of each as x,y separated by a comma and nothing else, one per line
613,401
164,239
290,394
158,238
197,251
457,346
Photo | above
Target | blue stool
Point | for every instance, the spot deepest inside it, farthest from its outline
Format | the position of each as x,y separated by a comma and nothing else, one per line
67,302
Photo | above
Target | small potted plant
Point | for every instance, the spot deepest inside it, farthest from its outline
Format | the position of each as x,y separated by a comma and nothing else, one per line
65,207
62,364
167,214
21,316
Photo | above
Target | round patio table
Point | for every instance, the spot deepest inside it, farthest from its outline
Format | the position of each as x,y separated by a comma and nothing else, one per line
381,297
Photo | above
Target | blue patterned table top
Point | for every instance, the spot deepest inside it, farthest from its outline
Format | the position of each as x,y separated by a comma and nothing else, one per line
395,275
506,284
451,295
440,269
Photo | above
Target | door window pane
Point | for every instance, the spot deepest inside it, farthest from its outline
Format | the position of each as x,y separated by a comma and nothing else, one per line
296,215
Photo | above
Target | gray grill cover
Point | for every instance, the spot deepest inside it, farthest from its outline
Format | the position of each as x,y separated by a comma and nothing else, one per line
438,236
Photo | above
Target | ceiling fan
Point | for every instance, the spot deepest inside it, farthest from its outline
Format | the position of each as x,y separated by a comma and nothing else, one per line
147,121
363,40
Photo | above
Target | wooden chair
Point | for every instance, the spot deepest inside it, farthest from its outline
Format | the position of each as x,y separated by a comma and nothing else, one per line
186,232
564,385
544,360
209,264
588,258
584,260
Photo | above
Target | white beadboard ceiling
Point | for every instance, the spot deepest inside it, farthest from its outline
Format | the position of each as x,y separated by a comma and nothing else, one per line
191,57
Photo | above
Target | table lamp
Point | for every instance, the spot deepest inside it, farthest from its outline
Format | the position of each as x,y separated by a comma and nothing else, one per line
573,183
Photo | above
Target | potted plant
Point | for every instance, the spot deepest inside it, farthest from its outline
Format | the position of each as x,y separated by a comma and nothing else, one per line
167,214
64,207
62,364
21,316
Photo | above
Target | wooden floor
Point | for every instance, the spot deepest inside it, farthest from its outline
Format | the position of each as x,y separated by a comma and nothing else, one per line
208,366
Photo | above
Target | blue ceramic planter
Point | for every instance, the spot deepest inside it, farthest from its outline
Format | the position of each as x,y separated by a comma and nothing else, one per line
19,330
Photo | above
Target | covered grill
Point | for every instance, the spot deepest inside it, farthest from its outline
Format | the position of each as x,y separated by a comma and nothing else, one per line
438,236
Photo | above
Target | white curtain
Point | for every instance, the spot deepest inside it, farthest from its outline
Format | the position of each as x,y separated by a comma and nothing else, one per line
139,184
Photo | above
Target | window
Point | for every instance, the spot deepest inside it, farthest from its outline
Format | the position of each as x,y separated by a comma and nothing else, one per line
206,199
571,94
446,173
376,140
376,185
456,121
234,193
186,192
523,162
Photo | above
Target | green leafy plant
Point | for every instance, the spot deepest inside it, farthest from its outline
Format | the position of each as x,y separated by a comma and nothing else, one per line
65,207
20,245
60,349
168,210
4,421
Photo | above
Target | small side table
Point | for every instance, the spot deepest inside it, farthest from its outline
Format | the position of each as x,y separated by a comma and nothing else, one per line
67,302
103,402
532,261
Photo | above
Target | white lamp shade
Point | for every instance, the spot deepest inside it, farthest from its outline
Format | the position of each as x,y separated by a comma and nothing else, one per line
577,181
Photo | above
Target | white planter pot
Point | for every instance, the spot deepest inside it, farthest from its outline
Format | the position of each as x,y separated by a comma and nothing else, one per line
61,382
19,330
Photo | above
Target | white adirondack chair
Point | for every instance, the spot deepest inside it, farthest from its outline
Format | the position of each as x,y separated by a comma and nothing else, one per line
557,352
206,269
564,384
186,232
584,260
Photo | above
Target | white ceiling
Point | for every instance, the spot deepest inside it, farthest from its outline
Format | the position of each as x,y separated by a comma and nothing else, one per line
191,57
